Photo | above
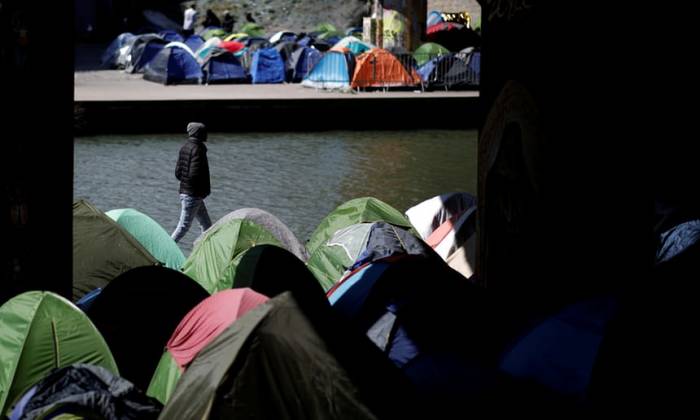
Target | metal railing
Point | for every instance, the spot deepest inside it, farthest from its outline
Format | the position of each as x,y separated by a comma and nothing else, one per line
453,71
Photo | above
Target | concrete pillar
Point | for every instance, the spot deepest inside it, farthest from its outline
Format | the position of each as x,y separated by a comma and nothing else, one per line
404,23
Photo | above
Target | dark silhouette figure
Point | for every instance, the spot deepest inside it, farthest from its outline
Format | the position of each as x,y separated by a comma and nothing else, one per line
211,19
229,21
249,17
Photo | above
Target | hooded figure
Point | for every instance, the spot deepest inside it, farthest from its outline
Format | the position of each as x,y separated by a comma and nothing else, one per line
192,171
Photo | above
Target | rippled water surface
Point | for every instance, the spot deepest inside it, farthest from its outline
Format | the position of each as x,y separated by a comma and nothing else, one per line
299,177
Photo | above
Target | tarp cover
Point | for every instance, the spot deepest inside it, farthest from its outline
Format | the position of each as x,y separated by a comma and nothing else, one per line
87,391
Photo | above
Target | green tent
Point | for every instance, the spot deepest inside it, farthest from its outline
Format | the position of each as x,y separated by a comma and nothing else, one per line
428,51
358,210
41,331
326,27
214,259
214,33
253,29
102,250
165,377
272,363
151,235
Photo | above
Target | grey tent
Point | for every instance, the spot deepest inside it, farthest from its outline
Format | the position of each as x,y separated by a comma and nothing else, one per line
271,223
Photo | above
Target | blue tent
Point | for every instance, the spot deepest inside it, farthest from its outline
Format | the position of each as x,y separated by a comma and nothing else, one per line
194,41
110,56
560,351
173,66
333,71
303,60
171,36
224,68
451,71
145,48
434,17
267,66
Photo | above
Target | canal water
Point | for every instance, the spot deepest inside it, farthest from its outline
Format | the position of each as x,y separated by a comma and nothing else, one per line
298,177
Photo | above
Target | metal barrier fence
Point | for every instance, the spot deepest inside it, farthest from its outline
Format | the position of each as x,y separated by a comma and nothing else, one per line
453,71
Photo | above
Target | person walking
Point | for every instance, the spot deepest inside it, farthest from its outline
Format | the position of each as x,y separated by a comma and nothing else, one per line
192,170
190,18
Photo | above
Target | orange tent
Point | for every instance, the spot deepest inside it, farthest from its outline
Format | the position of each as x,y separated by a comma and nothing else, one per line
378,68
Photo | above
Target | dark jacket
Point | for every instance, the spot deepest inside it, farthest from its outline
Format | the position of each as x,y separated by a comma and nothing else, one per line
192,168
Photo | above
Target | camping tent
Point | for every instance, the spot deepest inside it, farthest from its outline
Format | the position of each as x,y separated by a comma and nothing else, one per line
102,249
224,68
137,312
428,51
268,221
360,244
85,391
282,36
355,45
450,72
410,309
110,57
378,68
151,235
267,66
194,41
171,36
197,329
214,259
271,270
174,65
358,210
447,223
303,59
142,51
42,331
333,71
453,36
271,363
560,351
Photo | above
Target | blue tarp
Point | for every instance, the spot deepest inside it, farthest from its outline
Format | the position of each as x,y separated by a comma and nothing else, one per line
267,66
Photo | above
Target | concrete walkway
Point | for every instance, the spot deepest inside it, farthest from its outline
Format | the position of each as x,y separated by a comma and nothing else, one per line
116,85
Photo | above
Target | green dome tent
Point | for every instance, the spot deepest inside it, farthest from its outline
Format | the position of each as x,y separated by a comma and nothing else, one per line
358,210
214,259
41,331
348,224
428,51
151,235
102,250
253,29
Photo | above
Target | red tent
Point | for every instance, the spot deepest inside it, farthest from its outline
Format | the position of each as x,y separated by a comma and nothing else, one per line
231,46
206,321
